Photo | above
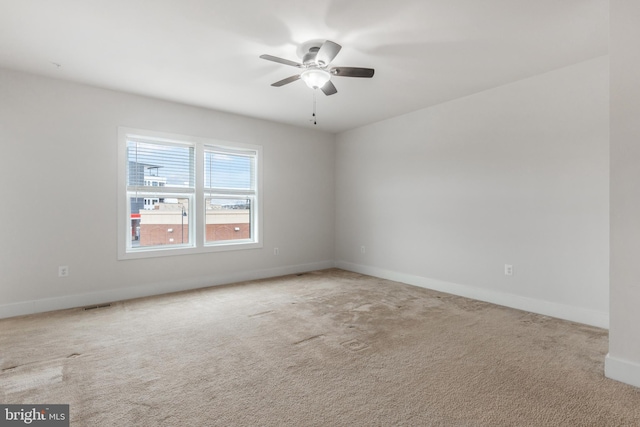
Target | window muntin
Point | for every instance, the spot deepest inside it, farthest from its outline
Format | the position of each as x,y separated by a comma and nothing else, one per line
185,195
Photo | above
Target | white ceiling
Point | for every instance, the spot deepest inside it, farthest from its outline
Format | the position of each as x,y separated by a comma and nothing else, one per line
206,52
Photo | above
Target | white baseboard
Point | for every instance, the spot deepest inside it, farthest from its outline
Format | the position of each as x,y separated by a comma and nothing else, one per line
111,295
561,311
571,313
622,370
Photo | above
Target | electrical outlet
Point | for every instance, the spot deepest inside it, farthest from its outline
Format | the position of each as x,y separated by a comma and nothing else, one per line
63,271
508,270
276,251
363,249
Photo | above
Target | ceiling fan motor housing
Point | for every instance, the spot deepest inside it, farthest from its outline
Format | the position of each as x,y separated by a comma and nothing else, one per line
309,58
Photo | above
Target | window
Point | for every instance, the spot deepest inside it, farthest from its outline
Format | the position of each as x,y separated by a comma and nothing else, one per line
229,194
181,195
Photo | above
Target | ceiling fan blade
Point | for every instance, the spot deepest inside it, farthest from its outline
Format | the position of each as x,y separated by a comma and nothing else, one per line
352,72
327,53
281,60
329,88
286,81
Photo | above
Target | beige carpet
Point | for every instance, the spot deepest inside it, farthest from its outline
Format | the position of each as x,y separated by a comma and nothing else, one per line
327,348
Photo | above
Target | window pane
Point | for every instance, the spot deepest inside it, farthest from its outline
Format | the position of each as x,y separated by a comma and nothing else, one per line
159,165
157,220
228,219
228,170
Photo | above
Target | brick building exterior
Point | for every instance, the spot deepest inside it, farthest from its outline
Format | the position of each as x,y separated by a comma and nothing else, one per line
168,224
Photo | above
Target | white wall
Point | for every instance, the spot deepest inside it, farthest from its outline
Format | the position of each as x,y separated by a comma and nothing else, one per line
623,361
446,196
58,170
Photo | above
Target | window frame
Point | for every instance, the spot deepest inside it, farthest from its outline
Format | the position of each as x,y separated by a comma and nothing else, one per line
197,207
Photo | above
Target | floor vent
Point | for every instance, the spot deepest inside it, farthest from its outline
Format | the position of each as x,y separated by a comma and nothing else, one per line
93,307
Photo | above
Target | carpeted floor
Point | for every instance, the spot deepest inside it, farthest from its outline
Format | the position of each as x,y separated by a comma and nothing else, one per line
327,348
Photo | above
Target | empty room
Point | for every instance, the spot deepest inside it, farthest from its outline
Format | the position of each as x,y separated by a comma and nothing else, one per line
358,213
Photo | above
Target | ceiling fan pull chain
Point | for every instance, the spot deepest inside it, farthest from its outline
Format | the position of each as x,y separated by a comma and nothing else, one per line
314,107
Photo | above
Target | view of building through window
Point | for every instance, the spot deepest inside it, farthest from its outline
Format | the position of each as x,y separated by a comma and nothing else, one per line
165,221
162,221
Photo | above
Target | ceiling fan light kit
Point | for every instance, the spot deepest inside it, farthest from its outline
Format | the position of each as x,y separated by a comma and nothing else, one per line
315,78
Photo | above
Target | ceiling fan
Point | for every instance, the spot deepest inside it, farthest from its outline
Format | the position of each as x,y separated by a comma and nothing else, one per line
316,71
